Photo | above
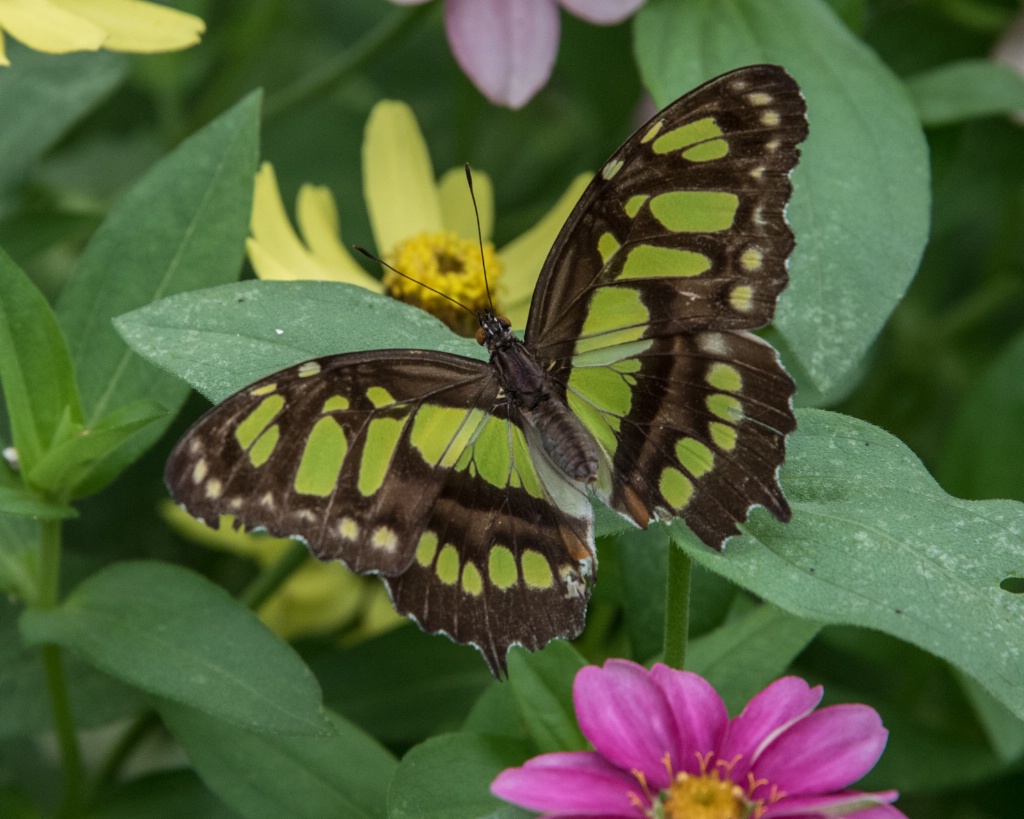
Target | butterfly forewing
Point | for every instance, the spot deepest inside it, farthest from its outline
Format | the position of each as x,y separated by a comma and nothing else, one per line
677,248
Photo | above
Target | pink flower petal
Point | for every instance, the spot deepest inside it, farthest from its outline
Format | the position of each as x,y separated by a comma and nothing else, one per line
768,714
846,803
506,47
602,12
699,713
825,751
625,716
578,783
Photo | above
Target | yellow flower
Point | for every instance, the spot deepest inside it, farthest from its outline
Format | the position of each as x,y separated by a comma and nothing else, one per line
63,26
422,226
317,598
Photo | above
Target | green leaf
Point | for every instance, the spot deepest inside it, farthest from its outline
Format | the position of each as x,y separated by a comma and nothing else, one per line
964,90
744,655
96,699
19,557
542,686
182,227
35,370
273,776
861,198
163,795
18,500
42,97
984,455
70,467
875,542
404,685
643,561
173,633
449,777
223,338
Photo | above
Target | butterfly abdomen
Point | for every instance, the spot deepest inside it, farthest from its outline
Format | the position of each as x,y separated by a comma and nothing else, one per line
527,386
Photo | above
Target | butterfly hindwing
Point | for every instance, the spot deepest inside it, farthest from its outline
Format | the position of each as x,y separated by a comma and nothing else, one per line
404,463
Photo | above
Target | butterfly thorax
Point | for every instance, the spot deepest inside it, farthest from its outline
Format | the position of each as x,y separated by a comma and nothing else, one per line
528,387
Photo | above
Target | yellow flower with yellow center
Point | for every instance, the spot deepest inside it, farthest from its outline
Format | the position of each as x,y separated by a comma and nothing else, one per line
63,26
425,227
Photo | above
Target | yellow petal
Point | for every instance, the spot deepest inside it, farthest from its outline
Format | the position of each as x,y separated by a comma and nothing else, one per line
398,179
265,550
279,253
137,26
41,25
524,256
317,216
457,204
317,599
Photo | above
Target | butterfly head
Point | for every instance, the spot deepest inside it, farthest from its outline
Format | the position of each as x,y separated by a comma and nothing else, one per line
495,331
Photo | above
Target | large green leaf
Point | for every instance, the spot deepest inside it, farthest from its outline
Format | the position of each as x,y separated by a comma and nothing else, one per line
270,776
861,203
449,777
875,542
173,633
35,370
967,89
223,338
182,227
744,655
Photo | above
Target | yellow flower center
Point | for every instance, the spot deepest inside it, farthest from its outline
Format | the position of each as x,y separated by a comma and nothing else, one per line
704,797
449,265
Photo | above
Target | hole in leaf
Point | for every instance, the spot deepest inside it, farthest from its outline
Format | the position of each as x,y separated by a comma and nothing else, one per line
1014,585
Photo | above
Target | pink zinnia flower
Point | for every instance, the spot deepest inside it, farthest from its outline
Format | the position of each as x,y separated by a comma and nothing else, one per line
665,747
508,47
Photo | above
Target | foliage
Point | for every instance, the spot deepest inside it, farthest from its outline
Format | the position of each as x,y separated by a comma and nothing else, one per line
125,196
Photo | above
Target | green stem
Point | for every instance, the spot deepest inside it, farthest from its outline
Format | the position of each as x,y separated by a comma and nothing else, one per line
269,580
56,683
119,753
333,72
677,606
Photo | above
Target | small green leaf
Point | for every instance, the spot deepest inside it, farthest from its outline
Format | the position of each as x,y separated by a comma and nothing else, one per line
173,633
35,370
18,500
73,462
643,561
449,777
863,171
261,775
542,686
19,557
744,655
182,227
223,338
966,89
875,542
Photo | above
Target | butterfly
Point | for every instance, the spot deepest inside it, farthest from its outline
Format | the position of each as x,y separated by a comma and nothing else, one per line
466,485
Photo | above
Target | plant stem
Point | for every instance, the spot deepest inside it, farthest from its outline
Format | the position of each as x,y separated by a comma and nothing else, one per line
268,581
335,71
56,683
677,606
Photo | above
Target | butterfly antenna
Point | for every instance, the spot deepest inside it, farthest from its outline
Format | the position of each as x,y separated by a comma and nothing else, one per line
479,236
379,260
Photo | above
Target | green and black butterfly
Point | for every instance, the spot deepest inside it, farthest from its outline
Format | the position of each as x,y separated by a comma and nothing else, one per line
466,485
